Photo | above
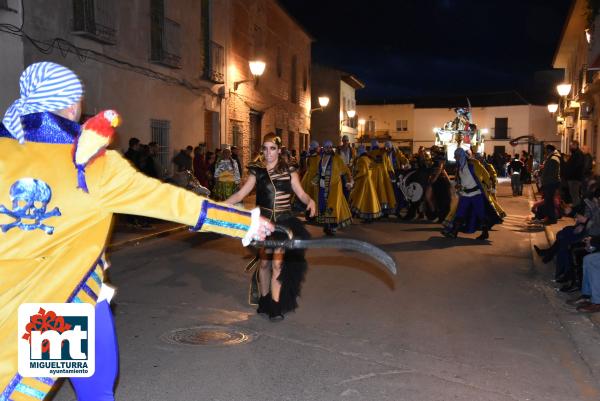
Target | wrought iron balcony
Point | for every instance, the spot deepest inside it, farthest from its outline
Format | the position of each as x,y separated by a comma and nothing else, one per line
93,19
215,65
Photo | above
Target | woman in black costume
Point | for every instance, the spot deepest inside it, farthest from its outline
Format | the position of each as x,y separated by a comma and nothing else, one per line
281,272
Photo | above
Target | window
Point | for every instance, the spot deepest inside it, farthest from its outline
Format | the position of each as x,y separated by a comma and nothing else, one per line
94,19
370,127
293,80
401,125
291,140
159,130
501,128
165,37
305,80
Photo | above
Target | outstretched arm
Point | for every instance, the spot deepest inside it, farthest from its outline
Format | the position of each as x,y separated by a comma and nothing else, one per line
120,188
303,196
243,192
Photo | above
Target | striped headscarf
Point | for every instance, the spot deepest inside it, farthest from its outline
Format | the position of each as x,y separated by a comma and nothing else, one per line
44,86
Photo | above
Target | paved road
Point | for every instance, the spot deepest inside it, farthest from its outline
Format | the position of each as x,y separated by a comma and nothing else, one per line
463,320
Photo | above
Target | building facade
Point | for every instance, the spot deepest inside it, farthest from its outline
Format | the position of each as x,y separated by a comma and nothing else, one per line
578,54
335,120
410,127
170,67
279,101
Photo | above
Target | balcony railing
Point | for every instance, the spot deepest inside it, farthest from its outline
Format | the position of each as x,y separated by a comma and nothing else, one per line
94,19
166,43
500,135
215,67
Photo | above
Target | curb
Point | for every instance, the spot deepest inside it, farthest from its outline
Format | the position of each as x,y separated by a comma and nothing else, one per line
142,238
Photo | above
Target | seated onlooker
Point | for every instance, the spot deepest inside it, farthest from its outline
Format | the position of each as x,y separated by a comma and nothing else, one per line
589,300
587,224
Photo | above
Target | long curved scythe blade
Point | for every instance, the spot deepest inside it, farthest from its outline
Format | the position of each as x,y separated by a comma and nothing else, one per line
338,243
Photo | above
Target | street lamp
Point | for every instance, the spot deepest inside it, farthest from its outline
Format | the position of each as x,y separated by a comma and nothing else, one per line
323,102
351,113
563,89
552,107
257,68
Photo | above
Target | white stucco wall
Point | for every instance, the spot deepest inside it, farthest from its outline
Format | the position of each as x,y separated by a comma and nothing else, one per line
11,49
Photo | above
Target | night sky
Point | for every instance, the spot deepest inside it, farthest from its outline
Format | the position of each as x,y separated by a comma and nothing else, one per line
405,49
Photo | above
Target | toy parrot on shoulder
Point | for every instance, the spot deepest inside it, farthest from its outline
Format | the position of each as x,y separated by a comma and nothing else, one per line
96,134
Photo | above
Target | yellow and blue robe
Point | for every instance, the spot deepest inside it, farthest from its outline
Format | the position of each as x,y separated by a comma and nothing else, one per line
332,205
59,257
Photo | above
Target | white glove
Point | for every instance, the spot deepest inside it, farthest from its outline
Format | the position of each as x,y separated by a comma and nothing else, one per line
255,227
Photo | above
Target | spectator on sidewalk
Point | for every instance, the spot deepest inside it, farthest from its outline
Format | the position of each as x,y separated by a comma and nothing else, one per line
198,162
133,153
550,182
146,162
160,173
184,158
515,170
573,173
589,300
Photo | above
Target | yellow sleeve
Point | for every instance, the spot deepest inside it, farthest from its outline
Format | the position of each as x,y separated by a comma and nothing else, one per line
123,189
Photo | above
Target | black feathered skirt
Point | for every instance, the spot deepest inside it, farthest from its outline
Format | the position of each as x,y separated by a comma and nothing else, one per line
294,265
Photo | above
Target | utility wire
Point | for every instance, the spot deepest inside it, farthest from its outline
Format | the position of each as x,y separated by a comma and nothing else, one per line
83,54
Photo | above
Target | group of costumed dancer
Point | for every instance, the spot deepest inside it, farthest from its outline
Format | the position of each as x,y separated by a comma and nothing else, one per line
382,181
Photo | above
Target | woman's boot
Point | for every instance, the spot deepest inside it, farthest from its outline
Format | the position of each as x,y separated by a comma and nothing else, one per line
484,233
275,314
264,303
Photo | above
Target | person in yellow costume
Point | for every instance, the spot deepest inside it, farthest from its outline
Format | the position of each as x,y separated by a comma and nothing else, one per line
363,198
334,211
55,217
381,178
492,184
310,179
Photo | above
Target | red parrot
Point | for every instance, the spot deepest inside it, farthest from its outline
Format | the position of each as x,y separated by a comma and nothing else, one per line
96,134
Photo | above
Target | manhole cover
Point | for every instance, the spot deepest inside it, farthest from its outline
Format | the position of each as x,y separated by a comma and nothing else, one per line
207,335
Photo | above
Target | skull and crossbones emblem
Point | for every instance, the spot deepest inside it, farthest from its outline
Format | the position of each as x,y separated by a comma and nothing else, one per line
30,198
